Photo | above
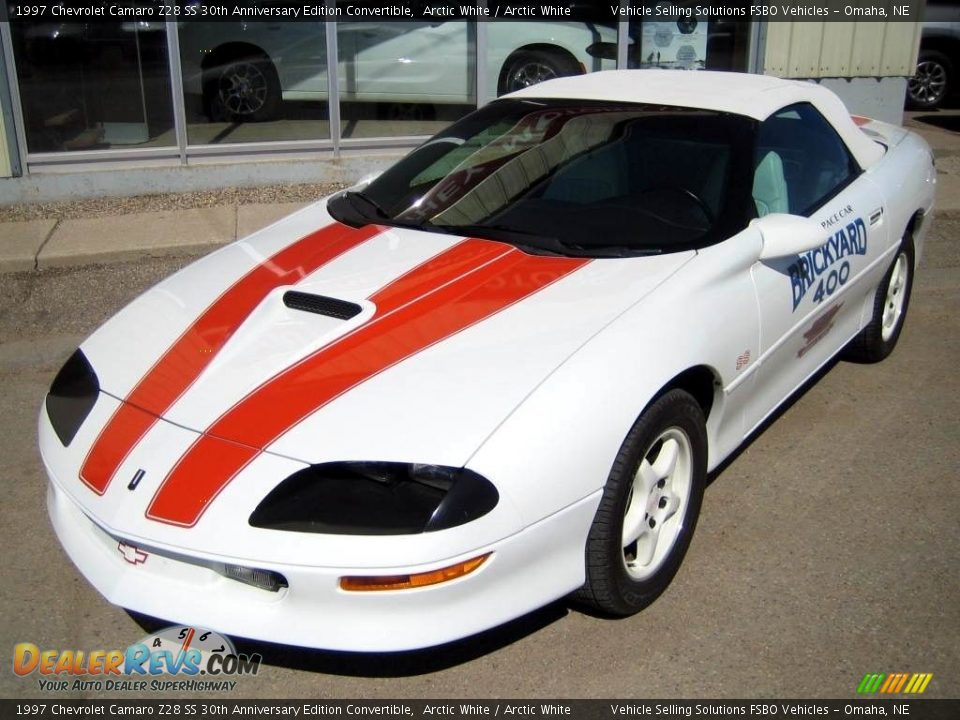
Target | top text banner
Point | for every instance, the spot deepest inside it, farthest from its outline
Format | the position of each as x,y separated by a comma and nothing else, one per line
141,14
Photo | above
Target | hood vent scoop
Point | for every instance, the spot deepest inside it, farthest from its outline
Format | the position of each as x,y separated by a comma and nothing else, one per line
321,305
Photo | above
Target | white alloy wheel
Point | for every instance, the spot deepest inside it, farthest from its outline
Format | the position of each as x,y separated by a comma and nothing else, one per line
648,512
896,297
657,504
891,300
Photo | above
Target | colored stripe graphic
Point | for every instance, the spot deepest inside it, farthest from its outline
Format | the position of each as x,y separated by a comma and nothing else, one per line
435,301
907,683
182,363
891,682
870,683
918,683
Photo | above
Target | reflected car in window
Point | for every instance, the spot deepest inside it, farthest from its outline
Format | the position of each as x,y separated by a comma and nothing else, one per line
243,71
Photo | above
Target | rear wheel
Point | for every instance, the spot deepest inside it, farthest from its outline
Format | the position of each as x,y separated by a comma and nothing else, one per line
878,339
242,90
529,67
649,507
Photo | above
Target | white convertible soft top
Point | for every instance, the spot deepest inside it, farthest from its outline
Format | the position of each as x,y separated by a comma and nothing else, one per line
755,96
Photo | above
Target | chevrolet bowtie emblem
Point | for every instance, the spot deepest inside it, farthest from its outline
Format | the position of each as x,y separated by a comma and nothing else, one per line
131,553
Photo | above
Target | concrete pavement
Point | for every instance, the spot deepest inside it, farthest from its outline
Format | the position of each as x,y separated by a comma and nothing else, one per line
59,238
59,242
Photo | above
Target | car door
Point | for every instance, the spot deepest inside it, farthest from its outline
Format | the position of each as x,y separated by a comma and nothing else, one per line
811,303
404,61
299,52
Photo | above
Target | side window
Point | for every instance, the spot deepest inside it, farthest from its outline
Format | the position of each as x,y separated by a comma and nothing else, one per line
799,162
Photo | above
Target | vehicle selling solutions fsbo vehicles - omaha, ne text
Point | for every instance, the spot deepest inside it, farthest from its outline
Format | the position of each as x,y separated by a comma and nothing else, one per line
496,374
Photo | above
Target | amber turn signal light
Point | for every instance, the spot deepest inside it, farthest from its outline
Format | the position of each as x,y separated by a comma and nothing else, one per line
366,583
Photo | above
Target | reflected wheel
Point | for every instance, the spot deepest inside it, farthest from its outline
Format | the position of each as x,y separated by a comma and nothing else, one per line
529,67
243,90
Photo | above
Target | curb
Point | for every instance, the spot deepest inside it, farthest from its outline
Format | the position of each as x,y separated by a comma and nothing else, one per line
34,245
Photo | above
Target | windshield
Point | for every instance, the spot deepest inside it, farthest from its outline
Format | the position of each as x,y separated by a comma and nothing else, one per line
571,177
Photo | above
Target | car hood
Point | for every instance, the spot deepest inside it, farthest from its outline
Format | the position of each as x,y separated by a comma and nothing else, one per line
374,343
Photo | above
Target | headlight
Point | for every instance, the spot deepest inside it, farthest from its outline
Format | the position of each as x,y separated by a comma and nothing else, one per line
72,397
375,498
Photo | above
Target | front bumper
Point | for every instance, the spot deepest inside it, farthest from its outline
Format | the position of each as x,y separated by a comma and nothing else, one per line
539,564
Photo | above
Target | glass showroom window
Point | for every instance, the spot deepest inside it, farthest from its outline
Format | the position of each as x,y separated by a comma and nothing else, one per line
676,37
520,54
254,81
399,78
93,86
414,78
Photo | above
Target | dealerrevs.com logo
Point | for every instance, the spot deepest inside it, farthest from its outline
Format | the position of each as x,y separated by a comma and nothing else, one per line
177,658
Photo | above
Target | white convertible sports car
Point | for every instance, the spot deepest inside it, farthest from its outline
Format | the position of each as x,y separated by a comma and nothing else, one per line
493,376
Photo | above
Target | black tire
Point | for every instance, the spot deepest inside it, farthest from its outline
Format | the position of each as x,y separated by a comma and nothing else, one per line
245,89
619,581
529,67
890,303
931,82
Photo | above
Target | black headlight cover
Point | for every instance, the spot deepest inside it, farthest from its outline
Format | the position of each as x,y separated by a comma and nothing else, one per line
375,498
72,396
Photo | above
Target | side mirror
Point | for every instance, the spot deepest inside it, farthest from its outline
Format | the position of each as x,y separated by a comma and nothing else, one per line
787,235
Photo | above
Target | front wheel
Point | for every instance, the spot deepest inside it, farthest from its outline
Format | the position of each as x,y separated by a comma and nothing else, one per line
649,507
878,339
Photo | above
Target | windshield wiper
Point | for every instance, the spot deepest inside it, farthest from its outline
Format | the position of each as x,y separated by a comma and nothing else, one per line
522,239
357,208
354,209
616,251
361,209
538,244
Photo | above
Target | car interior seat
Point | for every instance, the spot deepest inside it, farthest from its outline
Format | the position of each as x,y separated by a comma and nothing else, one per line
770,186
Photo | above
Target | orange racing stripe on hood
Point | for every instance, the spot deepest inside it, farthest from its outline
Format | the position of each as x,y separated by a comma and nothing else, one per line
413,313
180,366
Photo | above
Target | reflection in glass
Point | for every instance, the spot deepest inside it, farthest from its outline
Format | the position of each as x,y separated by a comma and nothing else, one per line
571,177
93,86
677,37
414,78
404,78
254,81
520,54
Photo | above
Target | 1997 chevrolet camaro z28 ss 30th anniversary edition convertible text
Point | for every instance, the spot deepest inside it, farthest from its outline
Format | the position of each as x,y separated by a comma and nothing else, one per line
494,375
